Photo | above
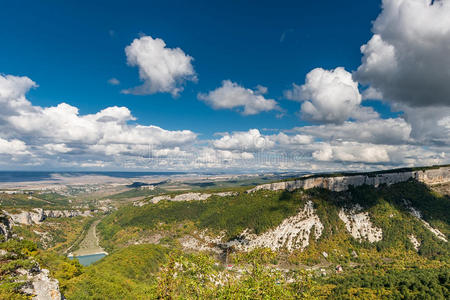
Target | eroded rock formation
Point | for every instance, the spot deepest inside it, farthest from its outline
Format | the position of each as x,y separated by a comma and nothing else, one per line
41,286
5,226
358,224
293,233
184,197
37,215
342,183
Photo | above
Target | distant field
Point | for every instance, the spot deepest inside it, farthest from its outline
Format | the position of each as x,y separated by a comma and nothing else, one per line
133,193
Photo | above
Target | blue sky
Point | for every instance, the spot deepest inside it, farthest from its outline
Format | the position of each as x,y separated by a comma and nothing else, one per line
70,49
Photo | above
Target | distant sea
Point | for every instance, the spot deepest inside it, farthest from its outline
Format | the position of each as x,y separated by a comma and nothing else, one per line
18,176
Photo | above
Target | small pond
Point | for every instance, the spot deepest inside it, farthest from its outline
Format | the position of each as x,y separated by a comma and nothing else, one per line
86,260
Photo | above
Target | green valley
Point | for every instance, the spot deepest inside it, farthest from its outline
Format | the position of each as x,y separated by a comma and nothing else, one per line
366,242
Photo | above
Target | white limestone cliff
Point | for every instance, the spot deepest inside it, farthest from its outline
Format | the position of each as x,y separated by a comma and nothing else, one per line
41,286
427,225
293,233
342,183
414,241
358,224
37,215
186,197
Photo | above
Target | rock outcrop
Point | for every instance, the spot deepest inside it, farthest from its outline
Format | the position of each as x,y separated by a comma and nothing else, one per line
358,224
416,244
41,286
5,226
184,197
342,183
427,225
67,213
293,233
191,243
35,282
37,215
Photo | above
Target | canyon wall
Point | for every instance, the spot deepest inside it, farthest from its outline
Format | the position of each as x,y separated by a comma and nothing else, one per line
37,215
341,183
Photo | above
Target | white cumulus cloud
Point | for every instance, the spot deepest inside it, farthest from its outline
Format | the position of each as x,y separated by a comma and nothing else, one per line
297,139
430,125
394,131
13,147
231,95
161,69
353,152
251,140
407,59
61,129
330,96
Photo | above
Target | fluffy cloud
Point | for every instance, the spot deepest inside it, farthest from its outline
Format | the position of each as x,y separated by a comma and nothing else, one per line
62,130
251,140
13,147
353,152
56,148
297,139
407,57
231,95
346,154
161,69
377,131
12,93
353,145
330,96
371,93
430,125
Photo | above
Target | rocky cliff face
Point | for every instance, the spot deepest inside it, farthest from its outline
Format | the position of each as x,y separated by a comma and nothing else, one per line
341,183
293,233
40,285
184,197
35,282
37,215
5,226
359,225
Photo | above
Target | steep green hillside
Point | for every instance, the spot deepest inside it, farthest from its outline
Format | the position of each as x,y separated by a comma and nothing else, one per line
261,211
128,274
197,249
232,214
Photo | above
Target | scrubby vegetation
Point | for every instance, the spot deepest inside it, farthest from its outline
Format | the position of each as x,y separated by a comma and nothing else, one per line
133,193
154,272
128,274
55,234
335,266
263,210
232,214
33,200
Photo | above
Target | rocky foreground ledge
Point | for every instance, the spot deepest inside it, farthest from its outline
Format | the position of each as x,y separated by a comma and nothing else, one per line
35,281
336,183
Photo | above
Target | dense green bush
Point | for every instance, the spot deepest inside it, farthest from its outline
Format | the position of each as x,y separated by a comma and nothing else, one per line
256,211
127,274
